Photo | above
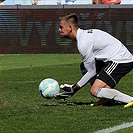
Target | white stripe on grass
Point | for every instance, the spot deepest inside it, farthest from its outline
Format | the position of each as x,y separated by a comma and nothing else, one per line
115,128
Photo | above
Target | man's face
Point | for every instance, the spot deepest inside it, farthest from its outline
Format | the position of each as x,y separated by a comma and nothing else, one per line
64,29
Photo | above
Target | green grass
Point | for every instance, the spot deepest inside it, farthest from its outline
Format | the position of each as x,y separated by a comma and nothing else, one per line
23,110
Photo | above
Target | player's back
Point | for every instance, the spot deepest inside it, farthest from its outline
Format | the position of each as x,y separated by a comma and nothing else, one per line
104,46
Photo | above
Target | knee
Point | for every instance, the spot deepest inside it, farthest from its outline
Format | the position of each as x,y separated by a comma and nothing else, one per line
94,91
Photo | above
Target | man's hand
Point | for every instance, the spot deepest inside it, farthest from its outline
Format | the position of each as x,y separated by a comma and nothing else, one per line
69,91
66,87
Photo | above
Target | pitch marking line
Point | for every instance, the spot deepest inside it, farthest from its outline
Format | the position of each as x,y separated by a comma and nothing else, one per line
115,128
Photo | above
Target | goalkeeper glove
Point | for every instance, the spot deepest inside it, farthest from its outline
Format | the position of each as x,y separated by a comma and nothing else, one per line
69,91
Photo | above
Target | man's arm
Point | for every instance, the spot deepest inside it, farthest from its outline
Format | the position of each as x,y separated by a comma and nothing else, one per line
91,71
69,91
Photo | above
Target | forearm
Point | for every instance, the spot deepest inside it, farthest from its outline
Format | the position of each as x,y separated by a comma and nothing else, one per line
85,79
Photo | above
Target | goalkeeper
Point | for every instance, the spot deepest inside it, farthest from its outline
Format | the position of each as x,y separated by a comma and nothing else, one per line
104,57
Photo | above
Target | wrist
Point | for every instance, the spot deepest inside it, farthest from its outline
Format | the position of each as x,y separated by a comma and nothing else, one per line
76,87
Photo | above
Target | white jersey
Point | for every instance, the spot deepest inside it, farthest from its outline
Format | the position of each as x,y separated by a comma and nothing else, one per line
96,44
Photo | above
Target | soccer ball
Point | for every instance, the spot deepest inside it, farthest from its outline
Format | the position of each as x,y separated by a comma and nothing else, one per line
49,88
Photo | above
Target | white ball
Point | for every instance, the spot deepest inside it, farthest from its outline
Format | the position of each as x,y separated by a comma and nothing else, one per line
49,88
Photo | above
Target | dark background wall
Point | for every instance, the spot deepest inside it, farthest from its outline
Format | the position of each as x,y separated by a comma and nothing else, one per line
34,29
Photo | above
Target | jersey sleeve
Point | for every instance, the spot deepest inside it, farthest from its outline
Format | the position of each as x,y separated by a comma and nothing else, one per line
86,50
91,71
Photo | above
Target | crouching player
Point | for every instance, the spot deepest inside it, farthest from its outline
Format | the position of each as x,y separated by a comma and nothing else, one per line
98,47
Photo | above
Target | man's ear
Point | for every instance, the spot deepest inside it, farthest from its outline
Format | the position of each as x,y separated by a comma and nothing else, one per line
70,27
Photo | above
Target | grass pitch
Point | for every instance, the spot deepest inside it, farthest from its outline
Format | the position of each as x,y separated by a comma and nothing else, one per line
23,110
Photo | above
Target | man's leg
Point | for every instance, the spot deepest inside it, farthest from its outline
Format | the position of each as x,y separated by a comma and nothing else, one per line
108,78
101,90
99,65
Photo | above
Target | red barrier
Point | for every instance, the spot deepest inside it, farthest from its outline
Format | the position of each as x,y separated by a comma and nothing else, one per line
36,31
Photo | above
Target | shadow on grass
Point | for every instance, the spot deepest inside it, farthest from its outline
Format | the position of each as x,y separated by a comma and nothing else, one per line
110,103
65,103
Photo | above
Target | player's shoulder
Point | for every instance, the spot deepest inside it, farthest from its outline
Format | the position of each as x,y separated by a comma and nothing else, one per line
91,31
83,32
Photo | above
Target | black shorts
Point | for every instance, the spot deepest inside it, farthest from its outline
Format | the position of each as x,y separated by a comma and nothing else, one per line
111,72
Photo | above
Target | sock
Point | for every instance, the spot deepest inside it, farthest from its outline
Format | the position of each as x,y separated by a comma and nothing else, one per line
114,94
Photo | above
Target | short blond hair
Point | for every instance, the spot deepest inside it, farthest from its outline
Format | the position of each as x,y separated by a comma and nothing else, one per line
70,18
